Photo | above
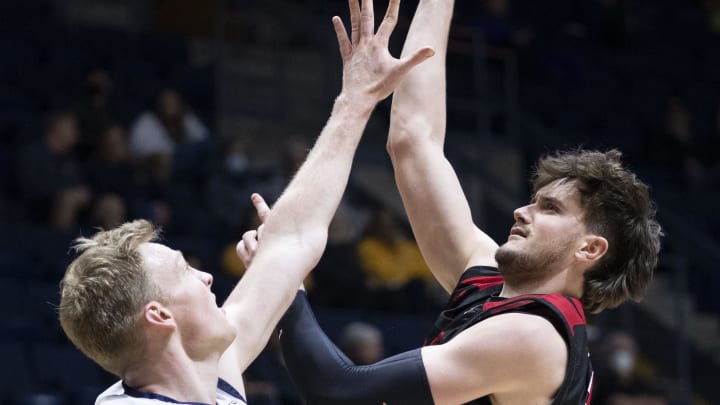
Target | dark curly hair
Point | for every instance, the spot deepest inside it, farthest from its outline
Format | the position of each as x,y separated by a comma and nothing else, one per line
617,207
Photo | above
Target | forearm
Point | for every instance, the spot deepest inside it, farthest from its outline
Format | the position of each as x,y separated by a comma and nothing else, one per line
430,190
310,200
419,103
324,375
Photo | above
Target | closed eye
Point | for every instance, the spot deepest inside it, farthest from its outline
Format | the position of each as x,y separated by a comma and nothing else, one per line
550,206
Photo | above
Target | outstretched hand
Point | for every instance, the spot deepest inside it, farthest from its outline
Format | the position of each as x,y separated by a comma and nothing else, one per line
247,247
368,67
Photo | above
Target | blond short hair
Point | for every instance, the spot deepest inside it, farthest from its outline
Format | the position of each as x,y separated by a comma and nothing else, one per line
103,294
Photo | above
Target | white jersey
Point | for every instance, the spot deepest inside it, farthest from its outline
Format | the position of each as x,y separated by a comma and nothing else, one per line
120,394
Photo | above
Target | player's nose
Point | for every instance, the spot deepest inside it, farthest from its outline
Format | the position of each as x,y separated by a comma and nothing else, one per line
521,215
206,278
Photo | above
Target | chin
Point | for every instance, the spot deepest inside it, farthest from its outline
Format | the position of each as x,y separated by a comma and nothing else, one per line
505,255
514,262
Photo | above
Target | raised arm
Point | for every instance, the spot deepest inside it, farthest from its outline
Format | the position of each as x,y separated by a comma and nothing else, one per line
434,200
295,230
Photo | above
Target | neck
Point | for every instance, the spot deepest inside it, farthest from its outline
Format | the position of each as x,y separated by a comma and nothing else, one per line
172,373
559,283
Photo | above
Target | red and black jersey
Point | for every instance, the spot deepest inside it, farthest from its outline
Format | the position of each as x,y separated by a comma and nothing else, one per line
476,298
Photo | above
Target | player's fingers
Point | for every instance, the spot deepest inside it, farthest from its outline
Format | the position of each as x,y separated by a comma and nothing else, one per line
367,20
342,38
243,254
250,240
415,59
260,231
247,247
388,24
354,20
260,206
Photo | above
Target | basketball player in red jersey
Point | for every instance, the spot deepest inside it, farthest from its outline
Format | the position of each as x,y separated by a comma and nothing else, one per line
513,331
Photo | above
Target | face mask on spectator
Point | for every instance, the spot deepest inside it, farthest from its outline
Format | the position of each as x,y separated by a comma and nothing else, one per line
623,362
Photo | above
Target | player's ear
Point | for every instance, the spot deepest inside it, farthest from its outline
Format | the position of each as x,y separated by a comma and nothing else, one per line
158,315
593,249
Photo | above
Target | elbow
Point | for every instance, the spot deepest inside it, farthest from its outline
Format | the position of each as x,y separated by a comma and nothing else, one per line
313,243
407,132
306,237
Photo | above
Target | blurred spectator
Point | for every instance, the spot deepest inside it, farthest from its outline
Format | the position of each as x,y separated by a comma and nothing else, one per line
113,175
108,211
93,110
623,378
113,178
50,176
109,168
362,343
292,154
338,280
229,186
394,265
155,133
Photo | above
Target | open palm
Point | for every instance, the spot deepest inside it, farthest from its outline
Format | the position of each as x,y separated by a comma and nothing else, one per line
368,66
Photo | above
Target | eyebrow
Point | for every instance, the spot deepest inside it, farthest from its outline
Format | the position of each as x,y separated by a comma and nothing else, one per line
553,200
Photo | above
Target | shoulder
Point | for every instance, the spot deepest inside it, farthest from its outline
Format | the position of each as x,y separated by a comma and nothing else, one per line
570,309
509,352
